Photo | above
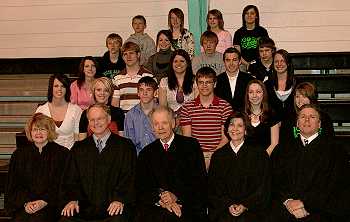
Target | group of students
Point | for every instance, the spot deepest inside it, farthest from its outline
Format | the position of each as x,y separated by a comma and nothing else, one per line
169,136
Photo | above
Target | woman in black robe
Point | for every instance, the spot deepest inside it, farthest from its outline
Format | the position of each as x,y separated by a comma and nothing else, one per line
239,178
35,173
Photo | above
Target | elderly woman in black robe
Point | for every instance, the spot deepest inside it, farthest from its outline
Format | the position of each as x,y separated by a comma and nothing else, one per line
239,177
35,173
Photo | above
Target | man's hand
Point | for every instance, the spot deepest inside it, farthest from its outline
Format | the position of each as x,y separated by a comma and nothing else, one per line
168,197
34,206
293,205
172,207
115,208
69,209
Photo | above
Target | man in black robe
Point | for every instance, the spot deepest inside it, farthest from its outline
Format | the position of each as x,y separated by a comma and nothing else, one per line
98,183
171,176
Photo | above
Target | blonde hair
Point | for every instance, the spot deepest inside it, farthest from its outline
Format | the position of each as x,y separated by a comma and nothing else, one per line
107,83
42,121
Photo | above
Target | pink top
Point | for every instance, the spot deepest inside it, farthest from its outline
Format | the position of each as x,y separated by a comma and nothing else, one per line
225,41
82,97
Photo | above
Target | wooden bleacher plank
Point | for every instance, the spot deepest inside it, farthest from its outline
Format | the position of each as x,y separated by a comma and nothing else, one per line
18,108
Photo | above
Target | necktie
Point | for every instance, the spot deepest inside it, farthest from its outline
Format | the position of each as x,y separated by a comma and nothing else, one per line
166,146
306,142
99,145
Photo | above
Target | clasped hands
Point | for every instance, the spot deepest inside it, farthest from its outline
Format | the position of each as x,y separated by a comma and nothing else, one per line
296,207
236,209
168,201
34,206
114,208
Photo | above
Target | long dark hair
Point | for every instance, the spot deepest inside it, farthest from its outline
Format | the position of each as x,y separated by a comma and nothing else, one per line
65,82
189,77
257,20
290,70
179,13
81,74
264,103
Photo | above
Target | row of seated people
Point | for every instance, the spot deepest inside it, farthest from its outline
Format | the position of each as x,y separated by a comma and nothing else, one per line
177,37
102,179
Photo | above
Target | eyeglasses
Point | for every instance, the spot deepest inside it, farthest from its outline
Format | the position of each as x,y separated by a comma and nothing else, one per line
38,130
205,83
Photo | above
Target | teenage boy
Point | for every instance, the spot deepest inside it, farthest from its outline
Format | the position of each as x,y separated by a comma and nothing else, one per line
203,118
125,93
145,42
232,83
137,124
262,68
210,57
112,62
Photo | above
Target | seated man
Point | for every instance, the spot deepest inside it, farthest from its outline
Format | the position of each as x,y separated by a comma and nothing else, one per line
210,57
171,177
98,182
137,124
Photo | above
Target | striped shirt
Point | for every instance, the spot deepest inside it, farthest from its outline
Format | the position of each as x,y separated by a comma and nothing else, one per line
206,123
126,88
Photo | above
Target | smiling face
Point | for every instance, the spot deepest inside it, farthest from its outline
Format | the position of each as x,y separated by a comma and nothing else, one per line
232,63
308,122
179,64
101,93
255,94
236,131
99,121
39,135
163,42
280,64
300,99
58,90
163,125
89,68
205,86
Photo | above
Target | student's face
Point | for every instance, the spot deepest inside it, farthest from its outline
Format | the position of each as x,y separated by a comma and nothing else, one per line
131,58
101,93
163,125
255,94
213,21
113,46
205,86
39,134
89,68
300,99
98,121
138,25
265,54
308,122
146,93
236,130
280,64
163,42
232,62
209,46
179,65
58,90
250,16
175,21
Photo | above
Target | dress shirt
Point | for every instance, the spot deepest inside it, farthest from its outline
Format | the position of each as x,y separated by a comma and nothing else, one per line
103,139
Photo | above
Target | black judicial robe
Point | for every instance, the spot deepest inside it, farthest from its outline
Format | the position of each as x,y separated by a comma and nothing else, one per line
97,179
306,173
242,178
180,170
35,176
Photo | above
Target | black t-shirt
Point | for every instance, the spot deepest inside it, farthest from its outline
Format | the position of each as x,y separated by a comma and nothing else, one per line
248,41
109,69
260,72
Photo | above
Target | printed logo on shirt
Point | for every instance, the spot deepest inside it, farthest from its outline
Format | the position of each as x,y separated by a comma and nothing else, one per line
249,42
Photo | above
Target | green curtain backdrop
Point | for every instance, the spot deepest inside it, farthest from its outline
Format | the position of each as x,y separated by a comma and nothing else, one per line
197,14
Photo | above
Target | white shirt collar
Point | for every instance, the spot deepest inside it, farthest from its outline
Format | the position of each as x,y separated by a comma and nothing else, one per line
170,140
311,138
237,148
